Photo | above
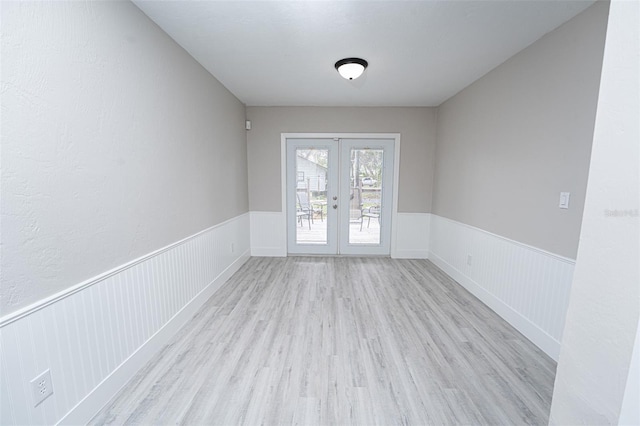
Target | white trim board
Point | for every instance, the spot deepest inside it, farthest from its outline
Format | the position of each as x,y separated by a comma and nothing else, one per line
95,338
527,286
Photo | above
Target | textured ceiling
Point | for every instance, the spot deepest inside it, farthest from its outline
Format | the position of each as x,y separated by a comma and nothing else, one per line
420,53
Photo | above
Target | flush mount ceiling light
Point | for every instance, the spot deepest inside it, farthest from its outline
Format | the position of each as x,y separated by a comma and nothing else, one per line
351,68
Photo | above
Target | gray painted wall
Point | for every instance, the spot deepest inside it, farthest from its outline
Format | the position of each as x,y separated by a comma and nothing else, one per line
416,126
512,141
115,143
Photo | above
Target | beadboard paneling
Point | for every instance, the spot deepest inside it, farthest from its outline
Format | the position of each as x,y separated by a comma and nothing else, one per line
412,236
268,234
96,337
527,286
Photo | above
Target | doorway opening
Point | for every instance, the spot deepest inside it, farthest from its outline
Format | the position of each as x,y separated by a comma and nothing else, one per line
340,193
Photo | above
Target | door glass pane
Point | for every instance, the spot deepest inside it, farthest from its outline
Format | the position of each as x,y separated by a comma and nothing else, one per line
366,196
311,196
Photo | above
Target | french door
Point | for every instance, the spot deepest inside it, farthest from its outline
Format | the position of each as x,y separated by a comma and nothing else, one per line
339,195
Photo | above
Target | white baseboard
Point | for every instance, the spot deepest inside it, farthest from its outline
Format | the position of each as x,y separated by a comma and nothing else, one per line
109,387
526,286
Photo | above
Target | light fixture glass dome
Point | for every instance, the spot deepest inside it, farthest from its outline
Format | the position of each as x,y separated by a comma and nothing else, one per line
351,68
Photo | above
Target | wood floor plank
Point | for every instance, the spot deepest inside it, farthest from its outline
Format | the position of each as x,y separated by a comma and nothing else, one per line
340,340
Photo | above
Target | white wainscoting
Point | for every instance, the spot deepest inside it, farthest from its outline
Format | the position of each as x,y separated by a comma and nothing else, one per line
94,337
268,234
411,236
527,286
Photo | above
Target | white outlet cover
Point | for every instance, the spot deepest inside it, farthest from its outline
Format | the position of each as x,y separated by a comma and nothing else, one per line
42,387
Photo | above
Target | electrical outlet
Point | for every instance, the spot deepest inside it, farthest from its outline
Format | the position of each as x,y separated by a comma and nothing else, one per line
42,387
469,259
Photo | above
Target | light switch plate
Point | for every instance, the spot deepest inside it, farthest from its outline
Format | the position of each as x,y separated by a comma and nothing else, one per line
564,200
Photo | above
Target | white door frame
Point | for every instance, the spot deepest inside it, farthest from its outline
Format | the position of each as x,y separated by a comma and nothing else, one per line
396,171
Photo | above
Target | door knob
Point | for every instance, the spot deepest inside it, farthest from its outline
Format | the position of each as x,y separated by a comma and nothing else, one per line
335,206
335,198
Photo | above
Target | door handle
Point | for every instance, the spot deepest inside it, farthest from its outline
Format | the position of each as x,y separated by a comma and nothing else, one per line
335,198
335,206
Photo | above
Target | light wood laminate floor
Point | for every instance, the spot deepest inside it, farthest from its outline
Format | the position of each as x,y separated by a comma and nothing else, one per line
306,340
